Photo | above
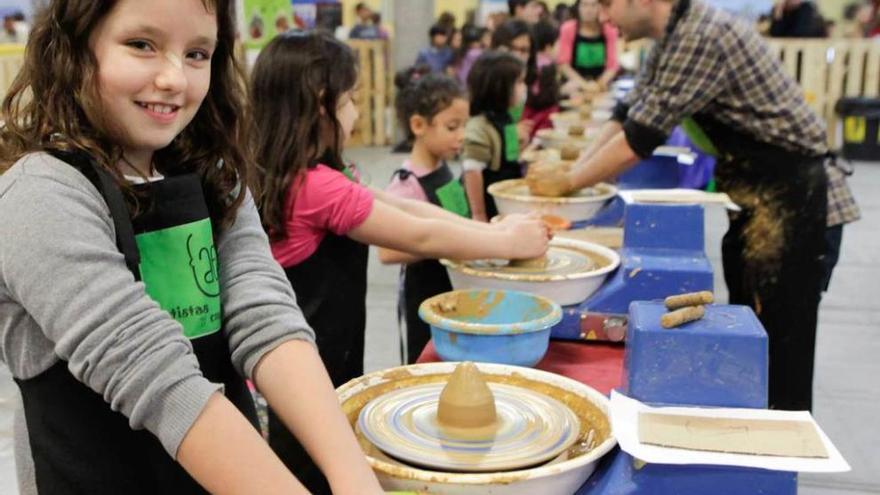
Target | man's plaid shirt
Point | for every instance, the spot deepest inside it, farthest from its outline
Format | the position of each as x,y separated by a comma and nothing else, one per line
712,63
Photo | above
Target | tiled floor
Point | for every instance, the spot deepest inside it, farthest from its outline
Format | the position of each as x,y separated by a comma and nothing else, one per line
848,356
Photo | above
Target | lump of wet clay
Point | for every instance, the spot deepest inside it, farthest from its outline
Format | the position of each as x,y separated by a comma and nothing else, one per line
466,401
586,112
540,262
445,305
576,130
569,152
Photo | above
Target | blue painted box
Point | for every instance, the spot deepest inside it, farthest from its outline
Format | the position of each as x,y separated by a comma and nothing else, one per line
720,360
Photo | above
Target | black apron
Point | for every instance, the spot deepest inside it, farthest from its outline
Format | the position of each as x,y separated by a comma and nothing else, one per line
510,167
427,278
78,444
588,56
331,291
773,253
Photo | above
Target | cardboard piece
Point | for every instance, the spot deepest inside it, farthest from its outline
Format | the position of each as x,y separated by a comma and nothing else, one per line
766,437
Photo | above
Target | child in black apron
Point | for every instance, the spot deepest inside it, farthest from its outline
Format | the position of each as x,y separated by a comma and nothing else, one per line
137,286
491,144
433,110
321,219
587,49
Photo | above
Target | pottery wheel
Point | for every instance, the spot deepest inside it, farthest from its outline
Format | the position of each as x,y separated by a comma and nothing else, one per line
560,261
531,428
522,189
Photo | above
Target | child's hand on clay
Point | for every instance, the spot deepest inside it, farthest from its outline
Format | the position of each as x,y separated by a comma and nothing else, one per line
529,238
548,179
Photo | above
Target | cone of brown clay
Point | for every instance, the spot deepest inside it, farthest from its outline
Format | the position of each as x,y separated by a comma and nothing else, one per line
576,130
466,401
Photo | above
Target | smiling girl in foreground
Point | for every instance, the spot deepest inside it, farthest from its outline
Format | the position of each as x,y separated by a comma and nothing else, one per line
136,284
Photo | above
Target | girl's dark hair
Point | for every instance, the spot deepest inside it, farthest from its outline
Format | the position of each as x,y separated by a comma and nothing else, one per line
423,94
503,38
491,81
54,104
296,85
545,34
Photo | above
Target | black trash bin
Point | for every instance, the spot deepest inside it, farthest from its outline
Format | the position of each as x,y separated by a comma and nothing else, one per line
861,128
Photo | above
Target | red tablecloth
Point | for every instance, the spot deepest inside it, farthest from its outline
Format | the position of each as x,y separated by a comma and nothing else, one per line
596,364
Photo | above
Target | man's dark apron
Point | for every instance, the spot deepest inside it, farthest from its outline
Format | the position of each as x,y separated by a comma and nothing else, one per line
588,56
427,278
331,291
773,251
510,167
80,445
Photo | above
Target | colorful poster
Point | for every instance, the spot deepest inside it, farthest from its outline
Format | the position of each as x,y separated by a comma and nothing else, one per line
263,19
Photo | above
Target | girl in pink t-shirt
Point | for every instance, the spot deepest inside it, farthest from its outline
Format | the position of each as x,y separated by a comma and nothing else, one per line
320,219
587,49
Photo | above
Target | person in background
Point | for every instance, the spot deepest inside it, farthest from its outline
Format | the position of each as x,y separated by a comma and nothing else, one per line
797,19
434,110
587,49
857,18
365,29
455,41
15,29
562,13
439,55
492,140
321,219
381,32
544,13
447,20
515,36
543,99
470,50
525,10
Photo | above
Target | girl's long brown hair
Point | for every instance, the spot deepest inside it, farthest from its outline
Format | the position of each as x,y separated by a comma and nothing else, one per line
296,85
54,104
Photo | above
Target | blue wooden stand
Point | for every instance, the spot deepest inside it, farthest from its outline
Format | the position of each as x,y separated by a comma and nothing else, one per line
721,361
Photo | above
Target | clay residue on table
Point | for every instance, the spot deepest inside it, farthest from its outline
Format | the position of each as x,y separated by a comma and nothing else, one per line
590,417
468,306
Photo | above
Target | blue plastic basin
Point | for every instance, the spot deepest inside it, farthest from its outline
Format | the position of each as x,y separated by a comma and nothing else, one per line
490,326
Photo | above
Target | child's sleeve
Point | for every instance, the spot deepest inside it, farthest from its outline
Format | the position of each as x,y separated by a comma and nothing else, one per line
565,44
408,188
477,151
59,263
259,306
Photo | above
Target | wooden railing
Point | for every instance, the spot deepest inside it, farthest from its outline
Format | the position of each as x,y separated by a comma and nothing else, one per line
374,93
826,69
11,60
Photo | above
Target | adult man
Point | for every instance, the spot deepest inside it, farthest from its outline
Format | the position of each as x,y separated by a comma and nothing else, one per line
717,78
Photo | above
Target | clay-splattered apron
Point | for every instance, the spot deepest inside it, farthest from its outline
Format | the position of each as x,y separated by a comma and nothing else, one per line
773,251
79,444
427,278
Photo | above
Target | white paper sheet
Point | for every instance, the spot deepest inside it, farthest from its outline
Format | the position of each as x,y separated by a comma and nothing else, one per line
625,419
692,196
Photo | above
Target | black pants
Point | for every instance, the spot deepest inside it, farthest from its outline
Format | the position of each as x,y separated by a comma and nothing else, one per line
773,257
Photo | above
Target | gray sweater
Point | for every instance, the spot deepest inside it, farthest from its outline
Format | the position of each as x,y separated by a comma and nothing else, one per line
66,293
